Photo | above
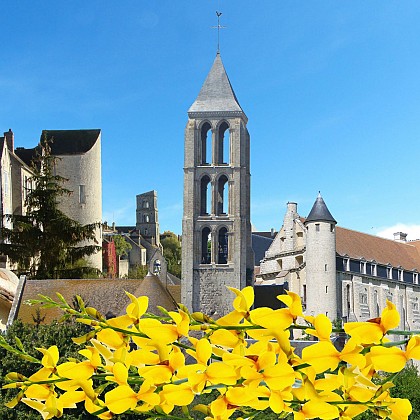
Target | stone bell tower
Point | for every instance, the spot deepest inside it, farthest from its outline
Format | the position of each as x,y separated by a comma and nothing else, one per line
216,228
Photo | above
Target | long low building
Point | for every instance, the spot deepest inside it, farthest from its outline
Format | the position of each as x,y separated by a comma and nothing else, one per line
345,274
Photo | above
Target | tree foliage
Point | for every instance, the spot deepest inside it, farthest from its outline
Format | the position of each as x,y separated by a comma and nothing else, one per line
122,247
45,242
172,252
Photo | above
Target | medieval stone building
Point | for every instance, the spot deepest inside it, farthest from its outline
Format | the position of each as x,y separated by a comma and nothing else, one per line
343,273
216,228
78,155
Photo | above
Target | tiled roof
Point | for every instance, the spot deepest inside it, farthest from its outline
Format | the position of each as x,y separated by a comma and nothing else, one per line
106,295
383,251
216,94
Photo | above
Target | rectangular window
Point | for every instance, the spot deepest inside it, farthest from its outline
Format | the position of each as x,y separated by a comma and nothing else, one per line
317,227
82,194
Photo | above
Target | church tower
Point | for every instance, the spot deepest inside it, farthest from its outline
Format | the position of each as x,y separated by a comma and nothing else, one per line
321,281
216,228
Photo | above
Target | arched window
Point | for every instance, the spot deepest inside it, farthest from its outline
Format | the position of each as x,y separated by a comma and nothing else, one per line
375,303
206,144
348,302
205,246
222,195
223,246
223,143
145,204
205,193
146,218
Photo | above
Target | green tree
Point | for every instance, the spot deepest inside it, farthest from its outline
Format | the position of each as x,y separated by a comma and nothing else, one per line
172,252
137,272
122,247
45,241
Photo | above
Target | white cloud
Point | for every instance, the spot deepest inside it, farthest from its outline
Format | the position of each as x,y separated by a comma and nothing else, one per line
413,231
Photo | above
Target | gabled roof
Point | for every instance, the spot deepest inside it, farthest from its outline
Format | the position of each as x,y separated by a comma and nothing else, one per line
383,251
216,94
320,212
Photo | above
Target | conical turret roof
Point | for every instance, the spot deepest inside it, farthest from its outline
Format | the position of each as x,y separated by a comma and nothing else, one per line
216,94
320,212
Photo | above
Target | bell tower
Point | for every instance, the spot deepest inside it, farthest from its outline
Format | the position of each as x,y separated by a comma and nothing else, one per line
216,228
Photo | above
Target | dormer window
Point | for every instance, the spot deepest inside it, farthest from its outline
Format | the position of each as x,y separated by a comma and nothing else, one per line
416,278
389,272
363,267
400,274
346,264
373,269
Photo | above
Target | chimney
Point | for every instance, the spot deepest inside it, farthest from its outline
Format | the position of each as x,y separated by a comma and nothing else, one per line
10,140
272,232
400,237
292,207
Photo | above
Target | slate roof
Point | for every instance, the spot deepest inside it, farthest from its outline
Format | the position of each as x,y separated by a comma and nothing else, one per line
65,142
260,244
383,251
320,212
71,142
216,94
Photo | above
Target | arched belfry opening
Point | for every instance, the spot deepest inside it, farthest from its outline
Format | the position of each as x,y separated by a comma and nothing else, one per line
205,196
206,144
216,227
222,195
223,144
223,246
206,246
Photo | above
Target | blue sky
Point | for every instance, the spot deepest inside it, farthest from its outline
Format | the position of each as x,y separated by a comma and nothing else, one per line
331,90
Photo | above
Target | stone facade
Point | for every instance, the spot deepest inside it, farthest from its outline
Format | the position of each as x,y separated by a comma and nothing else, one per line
147,222
82,170
346,274
216,230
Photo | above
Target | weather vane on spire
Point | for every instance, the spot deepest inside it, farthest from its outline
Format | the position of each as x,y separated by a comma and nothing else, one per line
218,27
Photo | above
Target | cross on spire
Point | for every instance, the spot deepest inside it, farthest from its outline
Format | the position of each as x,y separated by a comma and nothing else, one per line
218,27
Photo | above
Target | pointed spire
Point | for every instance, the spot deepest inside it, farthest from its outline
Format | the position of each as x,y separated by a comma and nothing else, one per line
320,212
216,94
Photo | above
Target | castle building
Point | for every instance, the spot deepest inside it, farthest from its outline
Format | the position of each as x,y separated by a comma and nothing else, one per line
345,274
78,155
216,228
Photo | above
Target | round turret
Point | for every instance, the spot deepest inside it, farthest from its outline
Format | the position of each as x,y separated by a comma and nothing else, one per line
321,283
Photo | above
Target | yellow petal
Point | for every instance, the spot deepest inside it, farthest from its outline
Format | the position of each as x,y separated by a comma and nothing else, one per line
161,333
364,332
73,370
390,318
401,409
321,356
178,394
121,399
120,373
111,338
413,347
388,359
138,306
38,392
220,372
319,409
